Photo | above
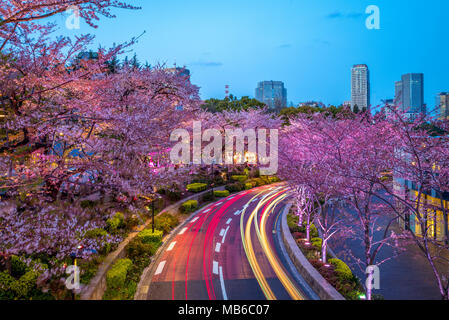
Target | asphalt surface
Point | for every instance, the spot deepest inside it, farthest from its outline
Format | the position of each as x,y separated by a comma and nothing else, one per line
230,251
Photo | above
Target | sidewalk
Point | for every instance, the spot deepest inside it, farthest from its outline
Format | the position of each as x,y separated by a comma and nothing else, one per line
406,277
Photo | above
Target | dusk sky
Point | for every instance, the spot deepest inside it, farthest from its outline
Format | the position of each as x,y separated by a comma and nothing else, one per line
310,45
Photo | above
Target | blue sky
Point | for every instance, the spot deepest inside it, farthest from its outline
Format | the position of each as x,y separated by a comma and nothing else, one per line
309,44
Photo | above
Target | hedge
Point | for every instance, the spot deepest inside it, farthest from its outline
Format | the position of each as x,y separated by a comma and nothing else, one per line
147,236
116,276
166,222
196,187
116,222
235,187
189,206
317,243
342,269
239,178
221,194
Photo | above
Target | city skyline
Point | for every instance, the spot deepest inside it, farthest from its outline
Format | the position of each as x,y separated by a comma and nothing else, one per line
311,51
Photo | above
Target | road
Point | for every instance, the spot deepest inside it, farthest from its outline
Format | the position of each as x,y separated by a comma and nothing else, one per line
230,250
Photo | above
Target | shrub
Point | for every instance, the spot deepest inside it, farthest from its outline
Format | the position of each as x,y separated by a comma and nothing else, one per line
174,195
221,193
131,222
189,206
166,222
209,196
239,178
88,204
342,269
317,243
313,231
147,236
235,187
25,284
116,276
95,233
136,249
18,267
196,187
116,222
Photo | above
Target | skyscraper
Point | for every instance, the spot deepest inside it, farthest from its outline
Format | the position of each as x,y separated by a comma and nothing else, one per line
443,105
272,93
360,87
409,93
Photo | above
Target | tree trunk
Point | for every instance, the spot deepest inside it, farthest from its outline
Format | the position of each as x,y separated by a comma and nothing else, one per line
324,251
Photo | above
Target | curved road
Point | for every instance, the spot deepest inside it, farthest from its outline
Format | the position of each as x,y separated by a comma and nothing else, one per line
230,251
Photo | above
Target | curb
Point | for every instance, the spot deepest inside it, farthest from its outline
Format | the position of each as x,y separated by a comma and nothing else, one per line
316,281
97,286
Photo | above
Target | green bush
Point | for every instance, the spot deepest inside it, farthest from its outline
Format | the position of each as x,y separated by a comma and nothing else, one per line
342,269
317,243
166,222
86,204
116,276
147,236
95,233
116,222
18,267
313,231
189,206
235,187
196,187
6,282
239,178
25,284
136,249
221,193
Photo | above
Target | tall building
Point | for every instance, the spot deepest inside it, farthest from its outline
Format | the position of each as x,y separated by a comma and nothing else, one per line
409,93
272,93
360,87
443,105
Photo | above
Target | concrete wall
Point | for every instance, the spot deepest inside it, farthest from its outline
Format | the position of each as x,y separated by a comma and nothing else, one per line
315,280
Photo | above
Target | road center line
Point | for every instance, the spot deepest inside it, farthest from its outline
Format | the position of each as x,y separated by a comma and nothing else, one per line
229,221
237,213
183,230
160,267
224,236
194,220
223,289
222,231
218,247
171,246
215,267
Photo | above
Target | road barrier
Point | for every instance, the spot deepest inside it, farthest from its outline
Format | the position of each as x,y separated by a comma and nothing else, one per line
315,280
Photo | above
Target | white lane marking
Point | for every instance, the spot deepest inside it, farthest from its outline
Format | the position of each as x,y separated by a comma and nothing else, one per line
215,267
237,213
218,247
171,246
206,211
183,230
222,231
224,236
220,203
160,267
194,220
229,221
223,289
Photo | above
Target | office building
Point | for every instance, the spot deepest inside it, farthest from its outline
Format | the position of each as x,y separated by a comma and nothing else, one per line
272,93
360,87
443,105
409,94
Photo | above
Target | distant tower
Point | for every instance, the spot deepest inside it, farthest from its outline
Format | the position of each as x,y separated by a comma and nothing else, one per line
227,91
360,87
